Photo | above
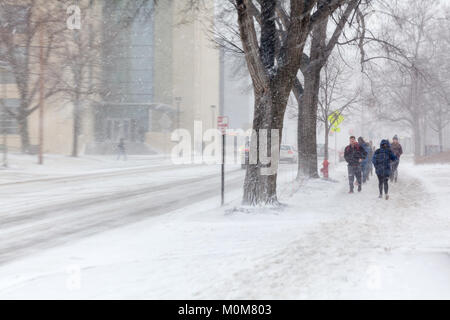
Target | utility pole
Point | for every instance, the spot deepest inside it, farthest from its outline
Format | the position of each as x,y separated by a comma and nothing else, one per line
76,105
41,96
213,118
335,148
178,100
3,122
222,125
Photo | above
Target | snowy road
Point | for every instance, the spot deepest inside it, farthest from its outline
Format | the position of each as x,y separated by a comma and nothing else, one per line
46,212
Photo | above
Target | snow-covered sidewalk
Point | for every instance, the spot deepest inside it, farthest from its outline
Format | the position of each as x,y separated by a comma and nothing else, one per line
371,249
323,244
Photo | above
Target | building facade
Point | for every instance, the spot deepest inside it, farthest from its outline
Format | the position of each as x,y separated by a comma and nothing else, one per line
156,74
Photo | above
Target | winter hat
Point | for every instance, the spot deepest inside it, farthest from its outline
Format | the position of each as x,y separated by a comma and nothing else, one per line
385,142
395,137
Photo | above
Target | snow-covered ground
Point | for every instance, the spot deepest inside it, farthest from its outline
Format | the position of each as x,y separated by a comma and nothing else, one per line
324,243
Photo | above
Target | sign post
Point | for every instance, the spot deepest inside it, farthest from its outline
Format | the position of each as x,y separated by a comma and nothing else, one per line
222,125
4,122
41,97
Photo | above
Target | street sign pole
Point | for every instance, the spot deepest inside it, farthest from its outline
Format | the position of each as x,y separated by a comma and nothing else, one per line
222,125
223,171
335,148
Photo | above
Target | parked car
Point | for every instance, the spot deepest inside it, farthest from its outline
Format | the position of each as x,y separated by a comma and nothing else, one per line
288,153
244,153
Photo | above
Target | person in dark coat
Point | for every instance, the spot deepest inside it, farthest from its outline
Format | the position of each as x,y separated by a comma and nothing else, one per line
366,161
354,154
121,151
370,155
382,160
397,149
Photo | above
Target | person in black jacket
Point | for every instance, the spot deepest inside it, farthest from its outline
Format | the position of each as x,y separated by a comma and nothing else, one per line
370,155
121,151
354,154
382,160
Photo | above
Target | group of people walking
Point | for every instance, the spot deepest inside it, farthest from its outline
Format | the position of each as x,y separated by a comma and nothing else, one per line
362,157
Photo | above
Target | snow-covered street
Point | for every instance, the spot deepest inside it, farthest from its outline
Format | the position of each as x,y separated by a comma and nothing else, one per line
324,243
46,211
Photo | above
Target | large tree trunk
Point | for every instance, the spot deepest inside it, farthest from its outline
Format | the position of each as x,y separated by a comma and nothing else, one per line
441,139
307,125
424,134
260,187
308,104
417,140
24,135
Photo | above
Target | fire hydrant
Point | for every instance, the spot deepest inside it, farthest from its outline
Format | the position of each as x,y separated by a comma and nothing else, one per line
324,168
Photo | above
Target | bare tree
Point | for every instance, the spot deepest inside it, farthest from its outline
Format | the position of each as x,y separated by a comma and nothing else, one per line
21,25
82,50
438,116
307,95
278,30
437,102
333,98
273,69
399,84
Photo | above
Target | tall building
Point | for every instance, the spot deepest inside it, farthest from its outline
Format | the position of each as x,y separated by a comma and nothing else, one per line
157,73
160,73
127,92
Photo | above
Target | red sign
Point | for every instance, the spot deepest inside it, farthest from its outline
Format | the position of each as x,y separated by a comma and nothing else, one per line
222,123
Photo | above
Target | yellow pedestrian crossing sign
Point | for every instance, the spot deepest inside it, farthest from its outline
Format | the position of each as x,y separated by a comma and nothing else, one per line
335,119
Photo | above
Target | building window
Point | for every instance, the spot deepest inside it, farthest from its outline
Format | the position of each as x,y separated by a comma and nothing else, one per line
117,129
8,123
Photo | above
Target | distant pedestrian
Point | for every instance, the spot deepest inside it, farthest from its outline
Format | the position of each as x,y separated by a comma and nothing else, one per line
121,150
370,155
366,161
354,154
382,160
397,149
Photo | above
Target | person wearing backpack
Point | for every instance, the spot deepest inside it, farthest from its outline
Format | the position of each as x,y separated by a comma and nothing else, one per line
382,160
